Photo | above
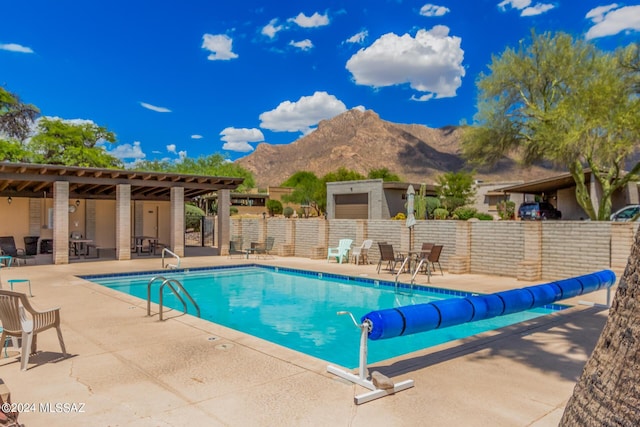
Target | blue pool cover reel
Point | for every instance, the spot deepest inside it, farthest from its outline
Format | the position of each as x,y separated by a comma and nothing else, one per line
417,318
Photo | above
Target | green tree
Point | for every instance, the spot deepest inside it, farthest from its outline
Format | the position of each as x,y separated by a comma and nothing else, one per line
565,101
384,174
16,117
455,189
212,165
63,143
307,190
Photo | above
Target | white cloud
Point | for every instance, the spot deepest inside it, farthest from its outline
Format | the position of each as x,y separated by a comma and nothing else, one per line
219,45
433,10
525,7
13,47
609,20
430,62
301,115
196,136
305,44
128,151
182,155
171,148
422,98
154,108
537,9
358,38
315,20
238,139
271,29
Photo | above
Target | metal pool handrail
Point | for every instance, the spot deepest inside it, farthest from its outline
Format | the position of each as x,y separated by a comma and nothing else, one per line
176,292
172,282
166,250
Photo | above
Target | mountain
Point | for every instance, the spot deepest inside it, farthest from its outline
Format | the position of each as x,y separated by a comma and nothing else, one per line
361,141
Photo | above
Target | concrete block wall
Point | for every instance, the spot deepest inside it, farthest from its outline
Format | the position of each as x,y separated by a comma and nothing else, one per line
439,233
546,250
278,228
342,229
571,248
309,234
497,247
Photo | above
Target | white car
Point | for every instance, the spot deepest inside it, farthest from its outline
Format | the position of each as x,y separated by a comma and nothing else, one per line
628,213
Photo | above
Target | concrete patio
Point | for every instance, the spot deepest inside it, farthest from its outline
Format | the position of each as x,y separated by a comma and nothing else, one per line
127,369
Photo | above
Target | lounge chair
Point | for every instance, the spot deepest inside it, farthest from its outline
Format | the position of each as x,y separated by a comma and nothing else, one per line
8,247
235,248
263,248
14,307
388,255
341,252
360,253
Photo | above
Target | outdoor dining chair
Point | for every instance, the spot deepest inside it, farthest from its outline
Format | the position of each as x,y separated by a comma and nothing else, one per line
20,320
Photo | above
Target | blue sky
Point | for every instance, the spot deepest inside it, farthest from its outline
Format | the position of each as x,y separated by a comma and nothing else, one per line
199,77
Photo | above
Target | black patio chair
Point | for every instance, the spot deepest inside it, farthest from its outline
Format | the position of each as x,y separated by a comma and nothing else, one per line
8,247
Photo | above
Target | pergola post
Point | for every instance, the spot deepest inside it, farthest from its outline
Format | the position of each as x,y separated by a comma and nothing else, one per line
61,222
177,221
223,237
123,222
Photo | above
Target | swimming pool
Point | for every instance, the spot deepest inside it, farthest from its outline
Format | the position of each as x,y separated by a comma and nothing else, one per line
297,309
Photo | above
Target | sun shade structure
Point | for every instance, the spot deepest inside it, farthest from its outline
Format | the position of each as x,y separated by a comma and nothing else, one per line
31,180
69,188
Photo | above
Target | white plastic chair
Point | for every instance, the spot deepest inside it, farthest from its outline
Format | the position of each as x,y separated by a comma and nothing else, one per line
341,252
14,307
360,253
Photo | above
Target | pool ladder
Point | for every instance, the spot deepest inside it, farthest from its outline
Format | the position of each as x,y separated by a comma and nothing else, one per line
176,287
413,276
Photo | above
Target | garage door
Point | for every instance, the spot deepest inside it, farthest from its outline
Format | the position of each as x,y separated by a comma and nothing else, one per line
352,206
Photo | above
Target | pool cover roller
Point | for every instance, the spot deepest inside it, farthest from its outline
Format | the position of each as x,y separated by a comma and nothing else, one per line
412,319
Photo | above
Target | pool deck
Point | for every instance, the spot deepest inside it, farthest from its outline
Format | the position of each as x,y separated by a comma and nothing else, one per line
127,369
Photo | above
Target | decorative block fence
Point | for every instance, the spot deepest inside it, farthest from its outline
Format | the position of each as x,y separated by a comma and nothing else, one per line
528,250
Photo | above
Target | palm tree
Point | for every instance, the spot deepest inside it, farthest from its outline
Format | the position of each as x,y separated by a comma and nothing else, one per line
608,392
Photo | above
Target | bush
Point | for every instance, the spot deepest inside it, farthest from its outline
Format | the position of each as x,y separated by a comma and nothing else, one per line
400,216
506,209
192,215
274,207
465,212
484,216
288,212
233,210
440,213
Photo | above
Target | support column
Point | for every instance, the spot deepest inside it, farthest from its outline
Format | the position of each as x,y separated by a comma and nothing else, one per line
61,222
320,250
223,237
177,221
123,222
460,263
531,267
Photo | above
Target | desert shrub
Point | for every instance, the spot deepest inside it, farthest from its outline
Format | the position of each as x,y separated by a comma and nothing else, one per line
287,212
440,213
233,210
274,207
484,216
433,203
400,216
464,213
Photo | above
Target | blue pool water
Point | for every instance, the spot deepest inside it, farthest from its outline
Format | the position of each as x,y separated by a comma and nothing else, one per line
297,309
